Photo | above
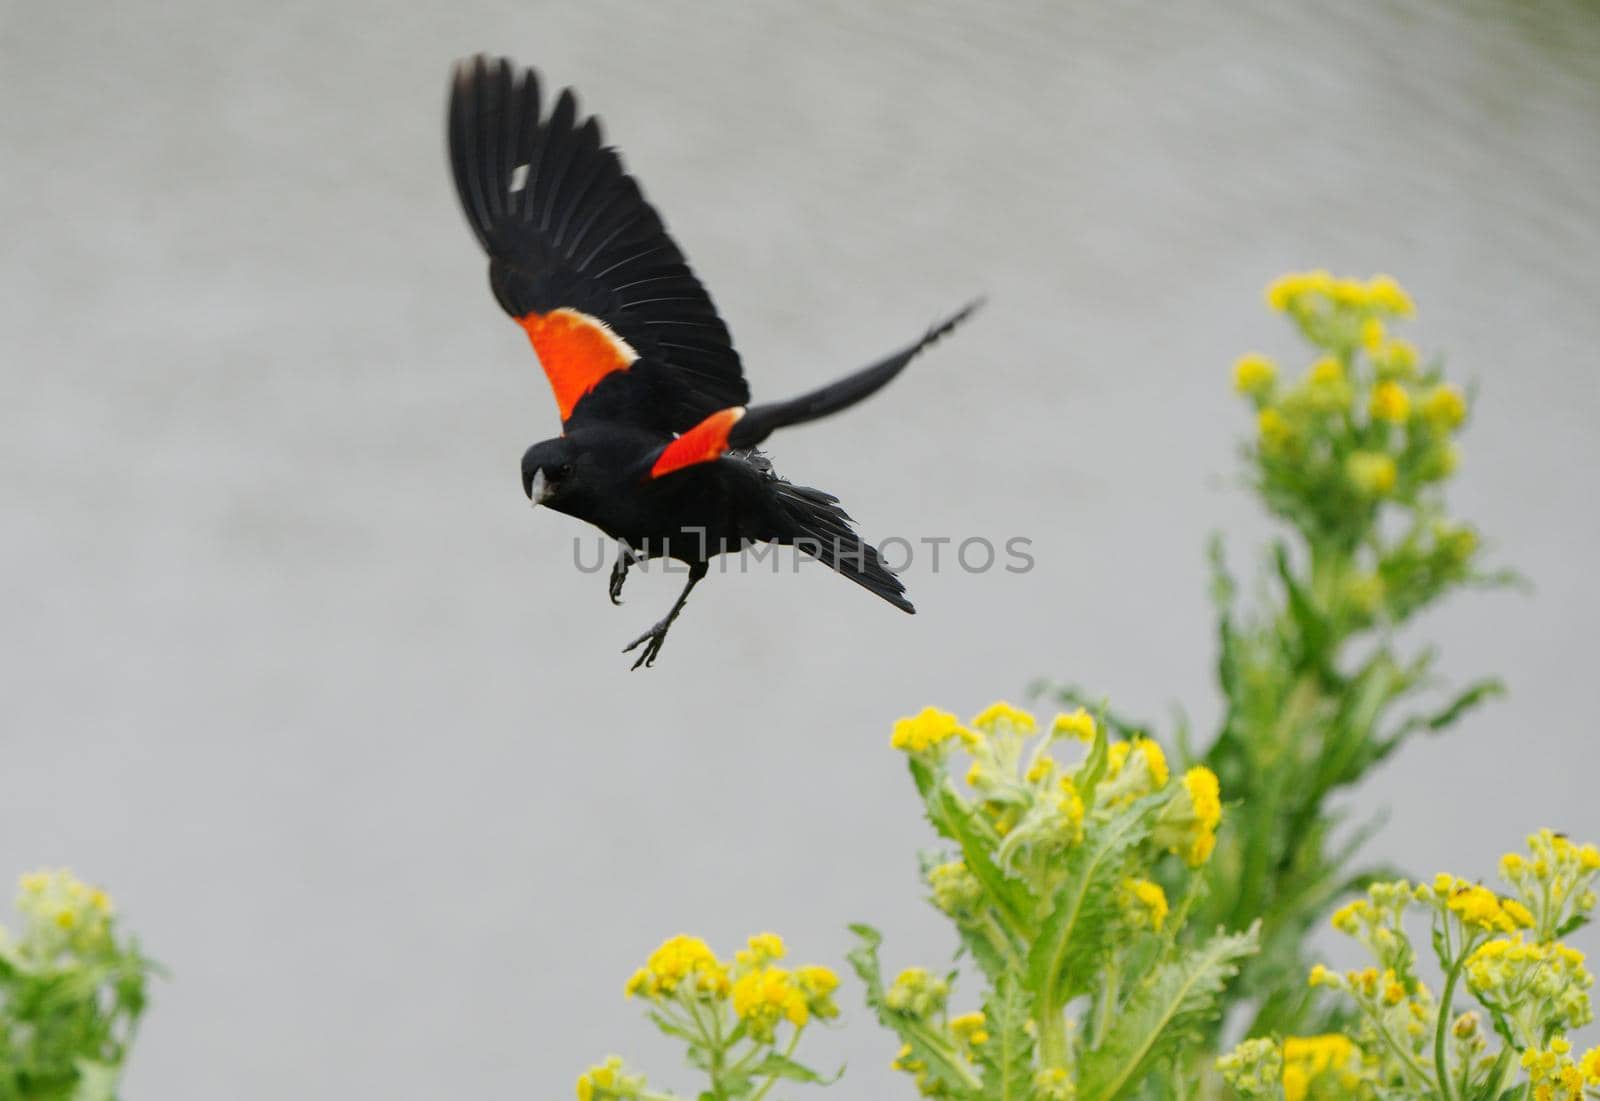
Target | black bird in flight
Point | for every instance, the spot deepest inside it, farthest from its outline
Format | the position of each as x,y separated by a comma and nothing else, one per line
658,447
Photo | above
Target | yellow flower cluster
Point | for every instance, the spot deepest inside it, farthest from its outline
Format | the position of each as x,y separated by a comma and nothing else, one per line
1373,473
1254,1069
683,965
917,993
1476,906
685,970
764,997
1364,421
927,1084
1556,880
1509,971
1314,290
1308,1058
1135,768
928,731
970,1030
1254,374
1002,715
1078,724
61,913
1188,825
1054,1084
956,891
1143,904
1553,1074
607,1080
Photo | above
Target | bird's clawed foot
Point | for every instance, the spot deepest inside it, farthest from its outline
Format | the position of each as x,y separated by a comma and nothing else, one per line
653,640
619,574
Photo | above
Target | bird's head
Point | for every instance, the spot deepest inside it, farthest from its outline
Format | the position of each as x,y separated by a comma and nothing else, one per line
550,471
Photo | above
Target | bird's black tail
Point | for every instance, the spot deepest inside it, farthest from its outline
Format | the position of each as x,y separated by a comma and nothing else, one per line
822,529
760,421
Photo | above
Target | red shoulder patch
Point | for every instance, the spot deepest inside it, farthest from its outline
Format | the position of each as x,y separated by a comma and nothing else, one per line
701,444
576,352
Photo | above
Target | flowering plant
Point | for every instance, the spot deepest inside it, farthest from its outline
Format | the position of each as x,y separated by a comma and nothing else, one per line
1057,882
71,993
1352,456
741,1021
1507,951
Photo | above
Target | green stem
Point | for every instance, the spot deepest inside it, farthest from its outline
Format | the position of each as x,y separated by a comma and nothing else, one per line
1107,999
788,1052
1440,1064
1002,943
1052,1025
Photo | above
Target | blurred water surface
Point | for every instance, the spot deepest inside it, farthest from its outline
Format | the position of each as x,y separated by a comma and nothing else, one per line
291,666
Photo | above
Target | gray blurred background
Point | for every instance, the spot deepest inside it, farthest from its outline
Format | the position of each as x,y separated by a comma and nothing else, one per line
291,667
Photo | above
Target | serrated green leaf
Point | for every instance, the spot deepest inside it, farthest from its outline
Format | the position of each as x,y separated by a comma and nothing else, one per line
1176,998
953,819
1084,903
778,1065
942,1064
1006,1059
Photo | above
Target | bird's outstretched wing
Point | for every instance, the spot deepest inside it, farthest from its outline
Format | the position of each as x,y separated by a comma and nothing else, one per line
621,326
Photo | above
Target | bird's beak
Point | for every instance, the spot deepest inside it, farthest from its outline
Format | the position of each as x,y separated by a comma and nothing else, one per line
538,489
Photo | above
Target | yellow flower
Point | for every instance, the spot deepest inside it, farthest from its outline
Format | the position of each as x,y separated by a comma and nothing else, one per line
1349,917
1372,334
970,1029
1391,403
817,985
1154,760
1444,408
1475,905
1387,295
607,1080
1002,713
1054,1084
1307,1058
1276,432
926,731
1372,472
761,948
1327,371
1254,374
1188,824
1069,810
680,961
1590,1066
764,997
1396,359
916,993
955,889
1079,724
1144,904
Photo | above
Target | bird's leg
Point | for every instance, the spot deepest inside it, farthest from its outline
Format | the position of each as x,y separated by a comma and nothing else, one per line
619,572
655,636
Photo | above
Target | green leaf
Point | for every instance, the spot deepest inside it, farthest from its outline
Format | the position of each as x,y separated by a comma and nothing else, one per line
942,1062
955,820
778,1065
1084,903
1006,1059
1160,1012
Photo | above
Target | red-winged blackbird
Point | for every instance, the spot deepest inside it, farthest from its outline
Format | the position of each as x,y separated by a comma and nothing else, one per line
658,448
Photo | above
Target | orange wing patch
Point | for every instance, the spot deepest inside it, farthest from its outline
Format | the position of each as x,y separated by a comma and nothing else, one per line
701,444
576,352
